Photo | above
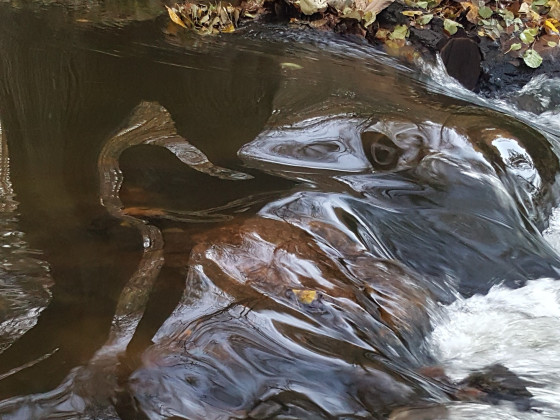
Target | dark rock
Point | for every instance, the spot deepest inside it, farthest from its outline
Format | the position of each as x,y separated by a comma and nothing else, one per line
461,57
499,384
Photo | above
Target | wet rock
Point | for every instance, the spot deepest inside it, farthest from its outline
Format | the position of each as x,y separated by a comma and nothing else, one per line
498,383
461,57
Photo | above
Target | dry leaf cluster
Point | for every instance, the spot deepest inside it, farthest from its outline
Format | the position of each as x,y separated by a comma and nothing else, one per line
212,18
524,28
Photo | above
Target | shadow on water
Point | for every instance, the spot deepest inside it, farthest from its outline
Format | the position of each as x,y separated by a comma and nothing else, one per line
316,215
62,97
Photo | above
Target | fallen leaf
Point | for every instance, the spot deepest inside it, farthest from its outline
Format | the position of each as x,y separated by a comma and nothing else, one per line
524,8
377,6
228,28
532,59
451,26
382,33
554,11
550,26
424,19
472,15
514,47
411,13
485,12
310,7
305,296
400,32
528,35
175,17
369,18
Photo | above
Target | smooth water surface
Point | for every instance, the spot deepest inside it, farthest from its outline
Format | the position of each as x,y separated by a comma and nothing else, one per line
268,224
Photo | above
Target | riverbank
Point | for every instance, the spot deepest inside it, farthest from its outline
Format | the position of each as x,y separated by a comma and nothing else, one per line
492,48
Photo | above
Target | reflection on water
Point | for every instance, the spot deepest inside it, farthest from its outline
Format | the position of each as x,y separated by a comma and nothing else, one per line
229,236
25,279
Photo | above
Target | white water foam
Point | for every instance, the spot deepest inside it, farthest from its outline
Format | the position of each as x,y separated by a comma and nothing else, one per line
541,90
516,328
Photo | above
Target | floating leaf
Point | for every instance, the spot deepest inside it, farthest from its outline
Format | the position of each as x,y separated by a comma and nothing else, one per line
290,66
451,26
175,17
532,58
485,12
552,44
400,32
305,296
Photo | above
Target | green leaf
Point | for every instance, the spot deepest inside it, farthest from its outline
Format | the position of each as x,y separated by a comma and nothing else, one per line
539,2
532,59
424,19
290,66
485,12
507,14
552,44
422,4
527,36
369,18
451,26
514,47
400,32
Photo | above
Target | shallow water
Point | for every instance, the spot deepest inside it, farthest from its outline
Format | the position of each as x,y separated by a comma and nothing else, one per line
266,225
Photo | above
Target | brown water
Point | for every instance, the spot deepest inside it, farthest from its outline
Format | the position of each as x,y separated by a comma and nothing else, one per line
259,225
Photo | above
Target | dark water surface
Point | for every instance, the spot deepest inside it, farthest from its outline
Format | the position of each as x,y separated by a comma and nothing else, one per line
259,225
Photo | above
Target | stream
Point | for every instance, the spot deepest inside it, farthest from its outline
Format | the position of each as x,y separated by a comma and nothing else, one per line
269,224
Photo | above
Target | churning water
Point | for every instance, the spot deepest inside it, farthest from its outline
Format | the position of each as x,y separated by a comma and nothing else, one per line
264,225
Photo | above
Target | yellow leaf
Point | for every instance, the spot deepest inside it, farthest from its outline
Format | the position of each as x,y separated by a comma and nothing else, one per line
550,27
412,13
305,296
290,66
175,17
229,28
382,33
369,18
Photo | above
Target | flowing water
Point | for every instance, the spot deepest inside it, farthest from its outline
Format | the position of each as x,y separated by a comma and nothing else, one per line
269,224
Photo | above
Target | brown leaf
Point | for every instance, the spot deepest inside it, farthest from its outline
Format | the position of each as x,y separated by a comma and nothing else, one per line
377,6
175,17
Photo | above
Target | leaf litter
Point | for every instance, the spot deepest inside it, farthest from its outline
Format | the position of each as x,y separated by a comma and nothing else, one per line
523,28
